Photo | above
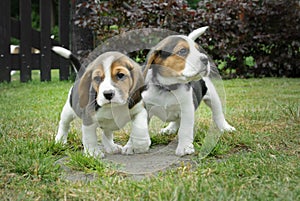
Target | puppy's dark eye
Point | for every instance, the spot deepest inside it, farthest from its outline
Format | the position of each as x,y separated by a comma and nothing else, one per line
97,79
120,76
183,52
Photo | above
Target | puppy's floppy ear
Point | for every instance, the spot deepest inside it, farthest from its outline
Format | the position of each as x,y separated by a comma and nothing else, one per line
196,33
138,85
150,58
84,88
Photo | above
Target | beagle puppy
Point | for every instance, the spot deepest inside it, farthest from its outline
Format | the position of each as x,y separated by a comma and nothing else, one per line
107,95
174,88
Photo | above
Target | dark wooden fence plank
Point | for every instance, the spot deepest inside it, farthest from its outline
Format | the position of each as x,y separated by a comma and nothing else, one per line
25,42
5,31
15,27
29,38
64,21
45,47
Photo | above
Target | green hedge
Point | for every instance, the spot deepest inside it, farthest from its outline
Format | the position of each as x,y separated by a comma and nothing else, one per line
258,38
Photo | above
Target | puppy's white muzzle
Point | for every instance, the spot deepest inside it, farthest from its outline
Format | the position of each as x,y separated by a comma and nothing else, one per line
108,94
196,67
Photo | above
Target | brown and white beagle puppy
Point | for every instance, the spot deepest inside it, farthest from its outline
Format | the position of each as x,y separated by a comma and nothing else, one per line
173,72
107,95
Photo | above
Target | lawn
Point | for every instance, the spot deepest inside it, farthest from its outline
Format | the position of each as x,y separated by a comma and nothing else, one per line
260,161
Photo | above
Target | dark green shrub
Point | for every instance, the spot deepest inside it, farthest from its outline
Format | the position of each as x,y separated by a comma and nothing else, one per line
247,38
266,30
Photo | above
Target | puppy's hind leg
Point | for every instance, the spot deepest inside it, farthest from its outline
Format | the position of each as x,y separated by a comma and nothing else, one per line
171,128
213,101
66,117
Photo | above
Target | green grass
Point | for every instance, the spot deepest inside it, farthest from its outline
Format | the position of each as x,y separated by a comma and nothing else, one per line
260,161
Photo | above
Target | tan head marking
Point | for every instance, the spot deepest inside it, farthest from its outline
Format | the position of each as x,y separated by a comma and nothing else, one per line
169,57
113,71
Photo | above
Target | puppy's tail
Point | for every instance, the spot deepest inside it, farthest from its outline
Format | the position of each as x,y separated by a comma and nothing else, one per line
68,55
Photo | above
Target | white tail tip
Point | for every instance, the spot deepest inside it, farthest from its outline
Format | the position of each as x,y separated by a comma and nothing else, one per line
62,51
198,32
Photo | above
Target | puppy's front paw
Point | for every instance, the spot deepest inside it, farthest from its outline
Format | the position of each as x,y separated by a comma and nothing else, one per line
225,126
94,152
185,150
136,146
61,138
127,149
113,149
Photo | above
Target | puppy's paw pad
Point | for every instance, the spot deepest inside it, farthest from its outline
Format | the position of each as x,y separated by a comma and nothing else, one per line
141,146
167,131
224,126
94,152
185,150
141,150
227,127
136,147
127,150
115,149
62,140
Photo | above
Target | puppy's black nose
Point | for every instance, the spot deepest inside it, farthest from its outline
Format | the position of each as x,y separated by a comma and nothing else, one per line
109,94
204,59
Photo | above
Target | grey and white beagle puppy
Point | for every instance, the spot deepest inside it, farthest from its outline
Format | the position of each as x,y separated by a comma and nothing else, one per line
107,95
173,72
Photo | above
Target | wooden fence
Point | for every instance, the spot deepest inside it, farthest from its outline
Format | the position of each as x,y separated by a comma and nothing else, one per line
26,61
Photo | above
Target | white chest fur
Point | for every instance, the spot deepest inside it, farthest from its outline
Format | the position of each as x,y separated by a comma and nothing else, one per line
167,105
115,117
112,117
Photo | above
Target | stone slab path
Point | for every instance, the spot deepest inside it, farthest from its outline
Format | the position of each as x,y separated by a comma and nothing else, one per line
159,158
